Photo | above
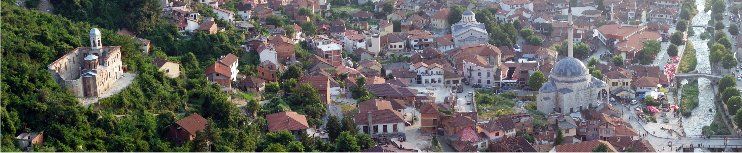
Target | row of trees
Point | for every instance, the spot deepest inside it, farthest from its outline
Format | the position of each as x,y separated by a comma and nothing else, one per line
731,97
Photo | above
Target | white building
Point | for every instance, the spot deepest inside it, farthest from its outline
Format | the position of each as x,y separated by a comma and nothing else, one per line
223,14
469,31
428,74
480,73
373,42
352,40
510,5
268,53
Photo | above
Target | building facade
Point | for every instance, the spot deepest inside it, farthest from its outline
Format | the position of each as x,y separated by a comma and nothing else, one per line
89,71
469,31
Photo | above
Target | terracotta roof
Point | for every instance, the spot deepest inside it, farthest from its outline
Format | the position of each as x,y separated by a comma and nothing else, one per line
645,82
428,110
501,123
512,144
193,123
288,121
585,146
319,82
618,74
228,59
636,42
384,116
441,14
374,104
218,68
389,90
468,135
445,40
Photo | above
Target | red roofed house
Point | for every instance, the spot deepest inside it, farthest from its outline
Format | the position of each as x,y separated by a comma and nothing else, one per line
223,71
287,121
429,117
377,117
186,129
627,39
321,84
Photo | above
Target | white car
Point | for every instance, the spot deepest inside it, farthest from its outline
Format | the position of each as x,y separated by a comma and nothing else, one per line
633,102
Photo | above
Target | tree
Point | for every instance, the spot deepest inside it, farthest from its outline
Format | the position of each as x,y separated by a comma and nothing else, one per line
559,137
617,60
677,38
719,25
717,52
536,80
365,141
650,50
346,142
734,103
728,61
534,40
295,146
596,72
349,125
455,14
726,82
682,25
592,62
738,118
601,148
293,72
672,50
733,30
581,50
333,127
525,33
729,93
275,147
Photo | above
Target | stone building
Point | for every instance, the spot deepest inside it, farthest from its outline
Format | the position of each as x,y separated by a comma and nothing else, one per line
469,31
570,87
89,71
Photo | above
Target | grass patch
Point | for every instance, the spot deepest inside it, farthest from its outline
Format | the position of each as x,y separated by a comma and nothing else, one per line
688,61
490,105
690,98
717,127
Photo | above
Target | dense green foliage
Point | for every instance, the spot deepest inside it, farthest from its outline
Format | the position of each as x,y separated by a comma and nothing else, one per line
648,52
689,100
672,50
536,80
688,60
136,15
581,50
490,105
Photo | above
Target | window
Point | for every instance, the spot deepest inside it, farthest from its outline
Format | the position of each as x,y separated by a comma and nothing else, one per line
488,81
488,74
479,73
376,129
384,129
394,128
615,83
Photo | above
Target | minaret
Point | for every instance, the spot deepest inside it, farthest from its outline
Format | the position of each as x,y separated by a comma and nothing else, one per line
570,43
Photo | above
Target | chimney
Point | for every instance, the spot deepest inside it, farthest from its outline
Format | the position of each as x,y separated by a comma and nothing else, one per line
369,117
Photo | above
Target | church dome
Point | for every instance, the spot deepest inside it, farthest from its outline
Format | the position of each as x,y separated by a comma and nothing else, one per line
468,12
569,67
94,32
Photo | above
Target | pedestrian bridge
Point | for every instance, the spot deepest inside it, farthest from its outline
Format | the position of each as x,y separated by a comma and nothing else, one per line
681,76
712,143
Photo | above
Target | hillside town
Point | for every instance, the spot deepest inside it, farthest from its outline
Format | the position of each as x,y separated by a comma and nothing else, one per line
385,76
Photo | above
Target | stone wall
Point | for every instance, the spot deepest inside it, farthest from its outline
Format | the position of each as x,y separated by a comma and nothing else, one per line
67,70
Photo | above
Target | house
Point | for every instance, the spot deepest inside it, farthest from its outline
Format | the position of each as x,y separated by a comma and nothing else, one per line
390,91
385,27
467,140
430,117
630,145
208,26
395,42
186,129
497,129
331,52
510,5
478,64
224,70
511,144
223,14
321,84
440,19
664,15
252,84
269,71
171,69
427,74
445,43
419,39
377,117
353,40
284,48
26,141
292,122
617,79
244,10
645,84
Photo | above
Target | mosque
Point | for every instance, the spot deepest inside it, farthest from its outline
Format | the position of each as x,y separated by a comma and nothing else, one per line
570,87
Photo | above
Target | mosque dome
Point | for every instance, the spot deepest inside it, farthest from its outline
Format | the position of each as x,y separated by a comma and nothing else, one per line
569,67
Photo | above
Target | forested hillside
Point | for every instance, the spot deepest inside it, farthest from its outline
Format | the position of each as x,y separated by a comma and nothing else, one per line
133,120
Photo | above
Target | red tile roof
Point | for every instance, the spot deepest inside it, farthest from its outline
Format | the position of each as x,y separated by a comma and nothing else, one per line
193,123
286,121
384,116
218,68
228,59
374,104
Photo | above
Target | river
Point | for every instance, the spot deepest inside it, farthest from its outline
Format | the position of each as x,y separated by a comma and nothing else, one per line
703,115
